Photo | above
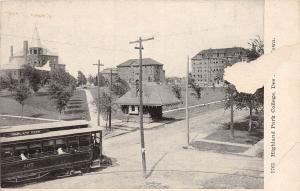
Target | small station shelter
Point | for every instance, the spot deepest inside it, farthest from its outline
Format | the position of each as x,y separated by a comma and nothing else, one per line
155,96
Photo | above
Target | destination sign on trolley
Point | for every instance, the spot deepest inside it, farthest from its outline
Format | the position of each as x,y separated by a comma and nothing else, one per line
22,133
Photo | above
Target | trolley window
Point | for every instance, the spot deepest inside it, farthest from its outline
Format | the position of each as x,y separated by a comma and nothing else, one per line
7,151
72,142
35,148
84,140
48,146
21,149
60,144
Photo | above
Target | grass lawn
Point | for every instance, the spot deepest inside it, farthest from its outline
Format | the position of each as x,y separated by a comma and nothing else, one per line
207,95
218,148
241,135
39,105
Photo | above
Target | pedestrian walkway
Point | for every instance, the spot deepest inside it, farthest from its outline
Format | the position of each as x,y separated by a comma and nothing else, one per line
256,150
93,110
225,143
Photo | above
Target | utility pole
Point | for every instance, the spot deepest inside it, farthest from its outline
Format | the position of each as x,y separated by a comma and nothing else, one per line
98,83
140,47
110,96
187,103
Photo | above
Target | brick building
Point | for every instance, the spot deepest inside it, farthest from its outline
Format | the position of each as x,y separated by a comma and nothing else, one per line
152,71
208,65
34,55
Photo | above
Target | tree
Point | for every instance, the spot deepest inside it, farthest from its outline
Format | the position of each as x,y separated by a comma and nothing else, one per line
243,100
230,95
91,79
252,102
119,86
102,81
61,95
33,76
81,79
9,82
195,87
62,77
22,93
256,48
61,89
177,91
105,105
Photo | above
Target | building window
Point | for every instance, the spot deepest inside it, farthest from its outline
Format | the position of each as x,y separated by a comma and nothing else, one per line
132,108
34,52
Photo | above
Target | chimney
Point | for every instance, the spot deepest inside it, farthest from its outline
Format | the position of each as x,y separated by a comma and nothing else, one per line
11,51
25,48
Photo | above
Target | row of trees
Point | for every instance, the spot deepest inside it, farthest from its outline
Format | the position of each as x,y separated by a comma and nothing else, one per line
241,100
196,89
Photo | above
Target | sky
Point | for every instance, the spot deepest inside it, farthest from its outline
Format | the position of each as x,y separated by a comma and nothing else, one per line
82,32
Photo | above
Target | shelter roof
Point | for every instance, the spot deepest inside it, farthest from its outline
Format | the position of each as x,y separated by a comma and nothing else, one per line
153,95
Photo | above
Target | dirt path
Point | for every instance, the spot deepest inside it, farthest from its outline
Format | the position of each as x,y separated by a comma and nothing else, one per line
93,110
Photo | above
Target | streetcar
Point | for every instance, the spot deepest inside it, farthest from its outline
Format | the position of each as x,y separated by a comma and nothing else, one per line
49,149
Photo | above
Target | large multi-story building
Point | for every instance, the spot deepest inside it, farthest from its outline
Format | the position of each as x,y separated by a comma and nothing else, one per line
34,55
208,65
152,71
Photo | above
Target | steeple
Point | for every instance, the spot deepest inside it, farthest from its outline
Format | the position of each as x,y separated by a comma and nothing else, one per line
36,41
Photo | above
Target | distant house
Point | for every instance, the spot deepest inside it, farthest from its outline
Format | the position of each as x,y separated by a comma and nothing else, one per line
107,72
155,96
208,65
34,55
152,71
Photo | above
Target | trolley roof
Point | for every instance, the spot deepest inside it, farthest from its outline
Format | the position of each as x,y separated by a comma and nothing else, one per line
49,134
42,126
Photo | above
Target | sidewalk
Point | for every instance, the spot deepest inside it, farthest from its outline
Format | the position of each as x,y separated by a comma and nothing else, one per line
256,150
93,110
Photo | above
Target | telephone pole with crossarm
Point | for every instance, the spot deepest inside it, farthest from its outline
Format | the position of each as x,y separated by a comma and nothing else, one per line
98,83
140,47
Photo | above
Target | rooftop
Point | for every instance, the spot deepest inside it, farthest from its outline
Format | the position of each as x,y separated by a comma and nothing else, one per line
135,62
153,95
227,51
35,40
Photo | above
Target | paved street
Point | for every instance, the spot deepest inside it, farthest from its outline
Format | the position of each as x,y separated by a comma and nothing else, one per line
168,164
